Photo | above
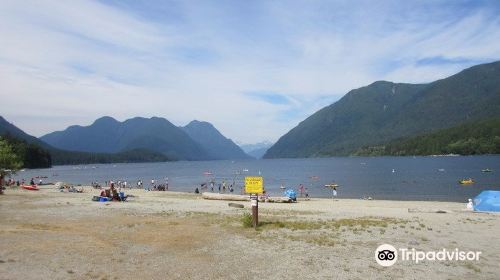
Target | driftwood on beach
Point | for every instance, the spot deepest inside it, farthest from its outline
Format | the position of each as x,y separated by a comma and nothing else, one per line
420,210
276,199
238,197
221,196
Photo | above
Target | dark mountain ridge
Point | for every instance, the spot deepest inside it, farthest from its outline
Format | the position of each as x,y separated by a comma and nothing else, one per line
383,111
196,141
38,154
216,145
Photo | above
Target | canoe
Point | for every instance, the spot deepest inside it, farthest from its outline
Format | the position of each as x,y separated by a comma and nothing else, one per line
30,188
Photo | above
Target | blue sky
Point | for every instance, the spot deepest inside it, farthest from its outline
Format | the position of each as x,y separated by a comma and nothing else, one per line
254,69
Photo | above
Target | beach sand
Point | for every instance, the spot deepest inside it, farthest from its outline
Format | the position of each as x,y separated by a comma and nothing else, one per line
168,235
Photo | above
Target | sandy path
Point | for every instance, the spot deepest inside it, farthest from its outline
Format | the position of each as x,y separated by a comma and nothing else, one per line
167,235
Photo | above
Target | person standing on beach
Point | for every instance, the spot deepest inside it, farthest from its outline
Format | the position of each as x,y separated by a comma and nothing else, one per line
334,193
301,190
166,183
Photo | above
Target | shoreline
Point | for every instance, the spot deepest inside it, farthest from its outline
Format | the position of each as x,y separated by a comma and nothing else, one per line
464,201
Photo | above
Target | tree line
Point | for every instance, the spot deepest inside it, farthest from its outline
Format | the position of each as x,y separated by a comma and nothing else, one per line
474,138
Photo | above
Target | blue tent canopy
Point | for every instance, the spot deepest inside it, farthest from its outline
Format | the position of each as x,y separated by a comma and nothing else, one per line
487,201
291,194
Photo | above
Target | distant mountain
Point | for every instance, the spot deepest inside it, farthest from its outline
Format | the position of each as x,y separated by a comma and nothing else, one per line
107,135
38,154
385,111
7,128
196,141
473,138
256,150
33,152
215,144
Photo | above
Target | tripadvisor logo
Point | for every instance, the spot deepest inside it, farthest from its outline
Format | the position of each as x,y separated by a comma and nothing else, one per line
387,255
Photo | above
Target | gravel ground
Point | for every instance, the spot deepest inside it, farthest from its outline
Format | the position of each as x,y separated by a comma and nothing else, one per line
167,235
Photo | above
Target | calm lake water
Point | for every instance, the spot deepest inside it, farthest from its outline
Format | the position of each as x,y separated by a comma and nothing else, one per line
414,178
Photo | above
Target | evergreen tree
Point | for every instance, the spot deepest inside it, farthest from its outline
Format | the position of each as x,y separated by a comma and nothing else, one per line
9,161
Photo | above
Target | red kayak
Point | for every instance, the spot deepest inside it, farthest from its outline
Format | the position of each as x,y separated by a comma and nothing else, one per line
30,188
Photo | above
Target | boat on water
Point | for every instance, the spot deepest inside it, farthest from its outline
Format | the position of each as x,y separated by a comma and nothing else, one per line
466,181
332,185
486,170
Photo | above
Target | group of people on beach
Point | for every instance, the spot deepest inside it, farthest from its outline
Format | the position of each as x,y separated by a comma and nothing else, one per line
222,187
113,193
154,186
15,183
12,182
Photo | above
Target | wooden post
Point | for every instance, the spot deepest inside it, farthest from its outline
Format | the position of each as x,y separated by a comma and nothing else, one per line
255,211
1,183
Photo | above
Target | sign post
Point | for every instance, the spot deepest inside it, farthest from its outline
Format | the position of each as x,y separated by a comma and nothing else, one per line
255,212
254,185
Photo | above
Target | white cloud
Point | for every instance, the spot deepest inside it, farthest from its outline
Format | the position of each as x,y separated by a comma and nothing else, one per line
70,62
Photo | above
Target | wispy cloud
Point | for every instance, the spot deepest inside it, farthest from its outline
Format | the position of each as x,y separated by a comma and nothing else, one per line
259,66
440,60
269,97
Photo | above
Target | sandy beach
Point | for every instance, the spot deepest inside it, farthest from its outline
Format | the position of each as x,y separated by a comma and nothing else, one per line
47,234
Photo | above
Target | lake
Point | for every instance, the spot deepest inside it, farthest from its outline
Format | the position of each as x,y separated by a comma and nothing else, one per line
413,178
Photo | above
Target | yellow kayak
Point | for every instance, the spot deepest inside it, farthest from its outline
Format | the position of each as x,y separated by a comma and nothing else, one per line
466,181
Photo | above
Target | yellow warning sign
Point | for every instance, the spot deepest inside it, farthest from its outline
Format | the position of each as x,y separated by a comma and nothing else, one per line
254,184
